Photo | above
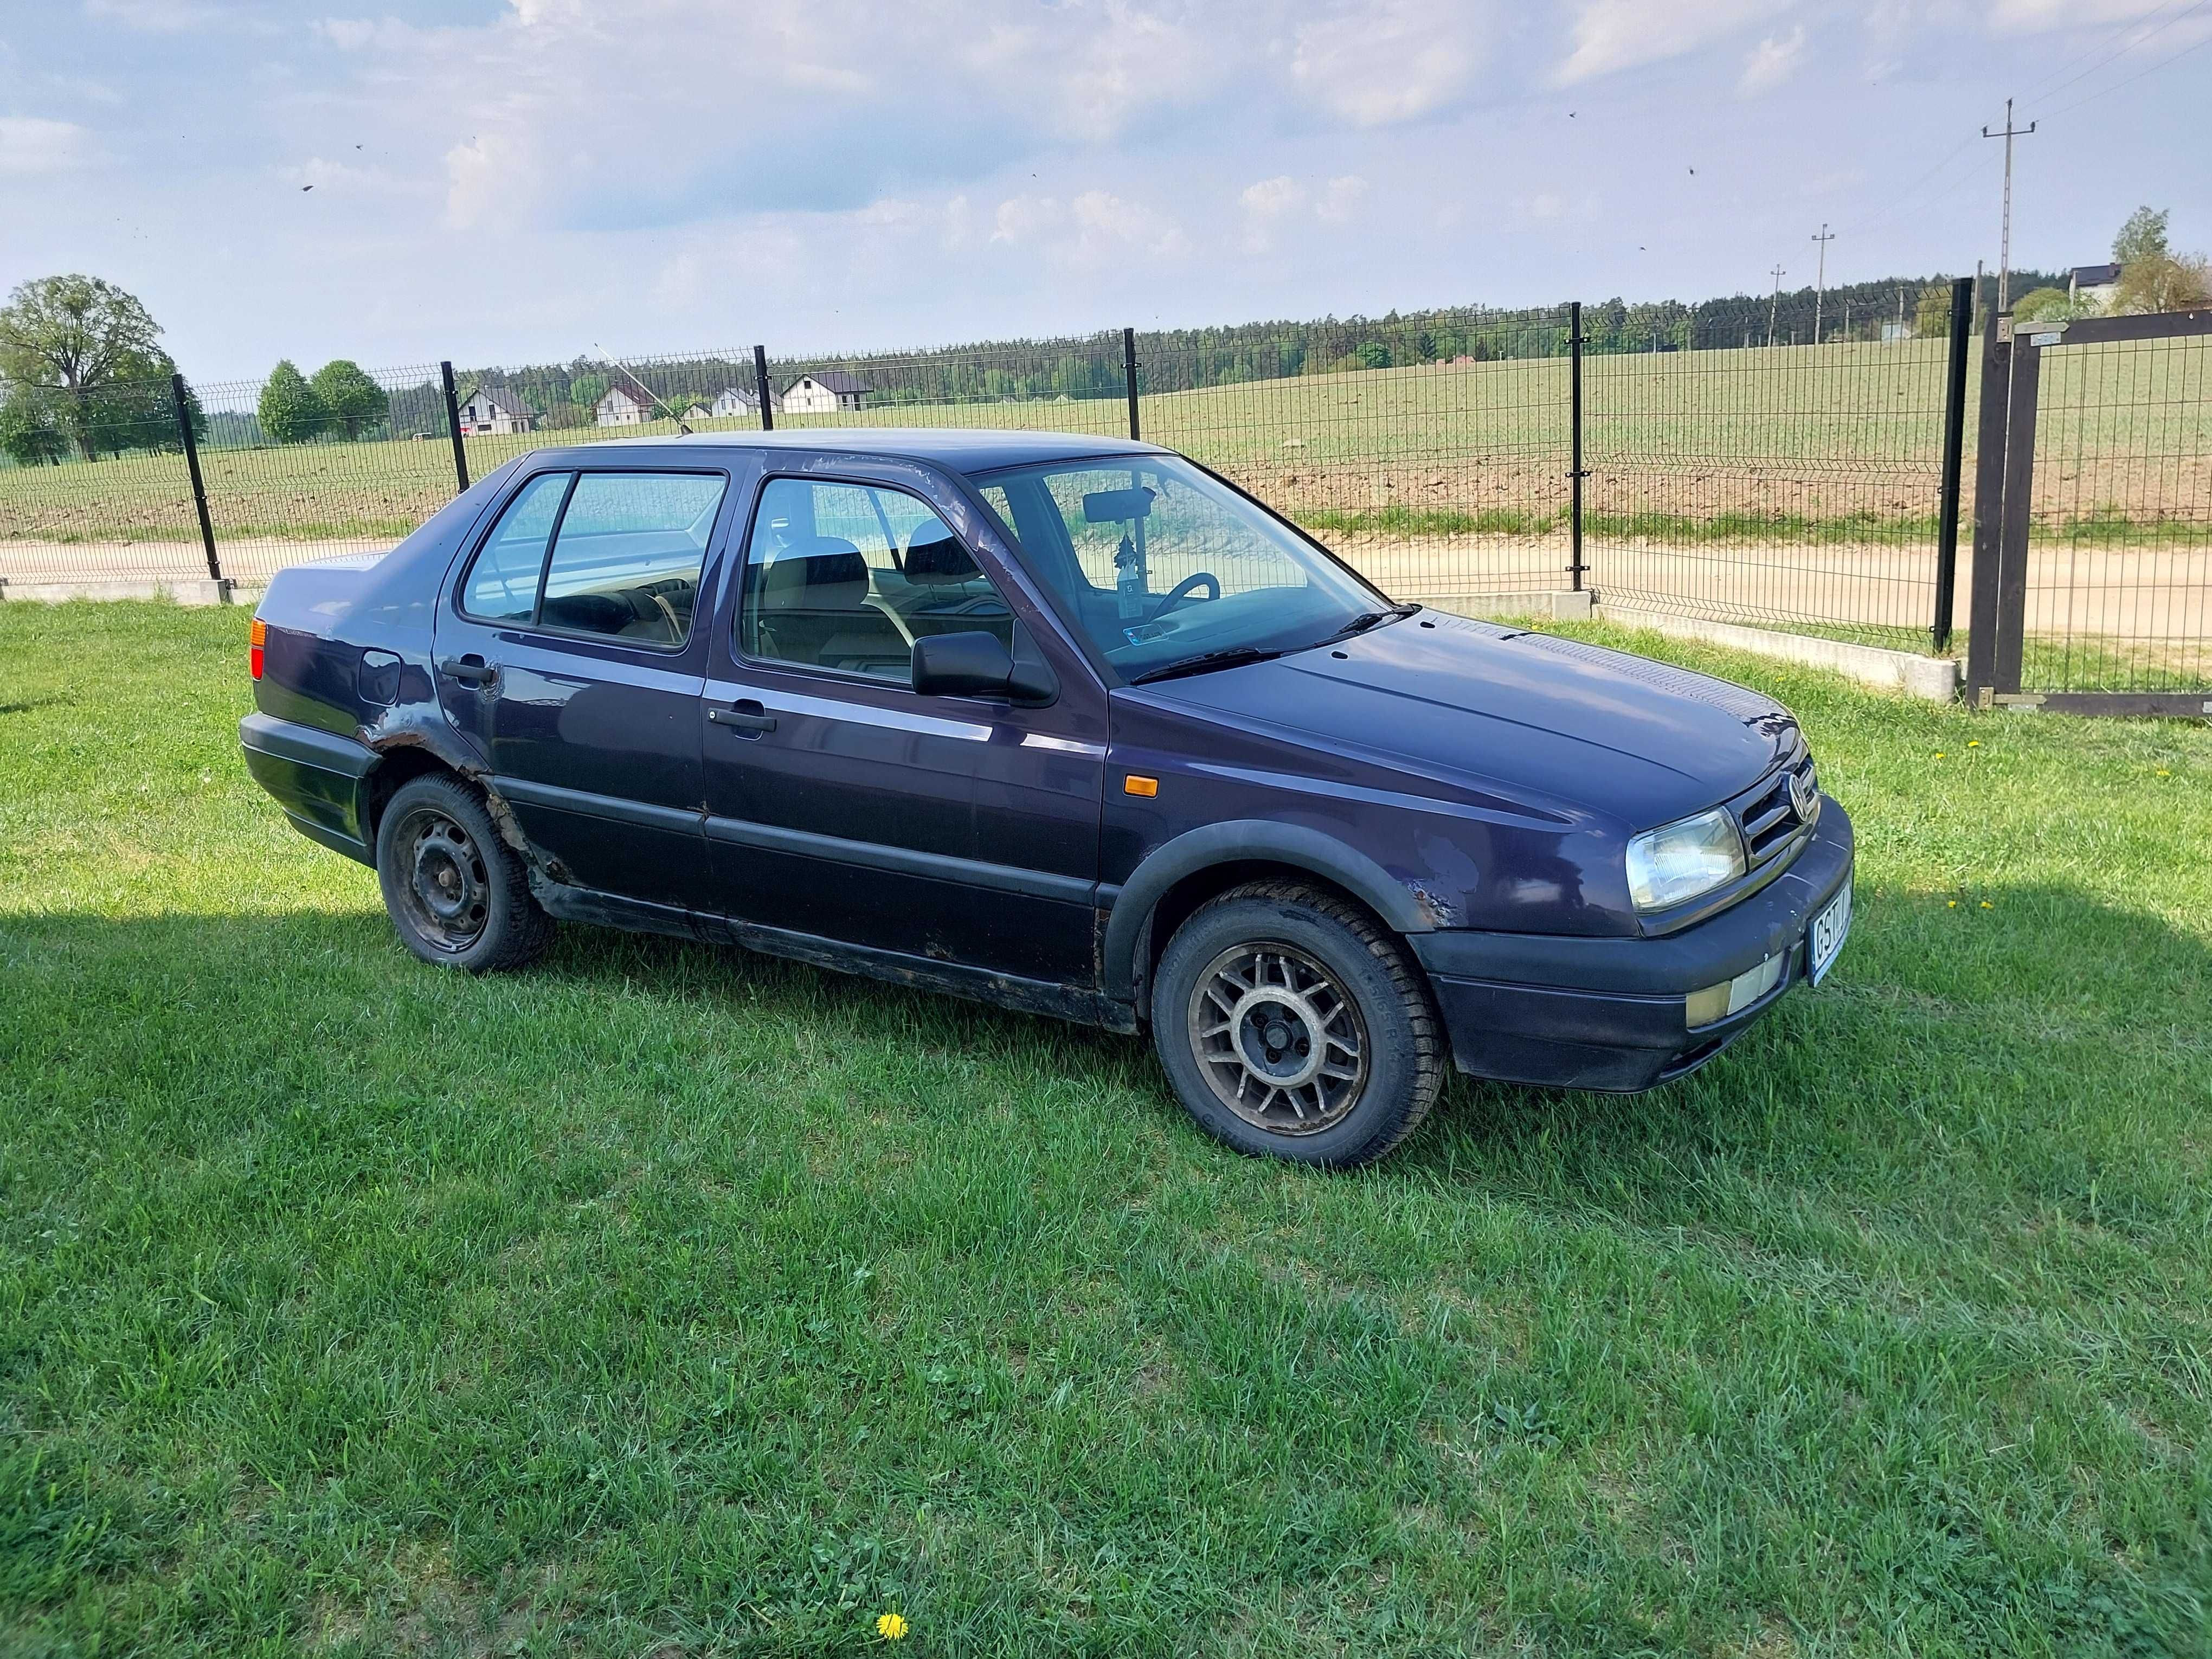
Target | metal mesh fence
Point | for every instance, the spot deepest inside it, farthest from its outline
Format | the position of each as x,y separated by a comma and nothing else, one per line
1430,453
1787,483
1792,484
2119,567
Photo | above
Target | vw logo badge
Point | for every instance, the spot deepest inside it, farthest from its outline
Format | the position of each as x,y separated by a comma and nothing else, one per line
1804,793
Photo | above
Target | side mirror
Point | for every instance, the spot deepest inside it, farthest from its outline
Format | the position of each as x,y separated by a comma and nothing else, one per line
978,664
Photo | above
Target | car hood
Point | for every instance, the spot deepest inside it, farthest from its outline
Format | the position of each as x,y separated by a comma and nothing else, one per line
1635,740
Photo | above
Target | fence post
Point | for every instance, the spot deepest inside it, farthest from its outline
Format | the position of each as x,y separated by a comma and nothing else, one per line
183,402
1989,509
1954,443
1129,375
453,426
1575,570
760,387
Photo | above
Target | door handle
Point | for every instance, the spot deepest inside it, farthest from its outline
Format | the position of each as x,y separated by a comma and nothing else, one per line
470,670
747,716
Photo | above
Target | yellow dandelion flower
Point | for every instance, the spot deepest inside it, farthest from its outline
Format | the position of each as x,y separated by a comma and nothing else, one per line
1973,743
1953,905
1986,905
1939,754
890,1626
2163,772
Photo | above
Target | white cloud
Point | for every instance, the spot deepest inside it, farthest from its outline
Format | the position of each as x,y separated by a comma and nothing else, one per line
1772,62
1340,200
2033,16
32,148
1271,206
1395,61
155,16
1618,35
1088,228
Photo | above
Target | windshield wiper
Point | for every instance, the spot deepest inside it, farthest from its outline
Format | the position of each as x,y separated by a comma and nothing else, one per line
1205,663
1367,619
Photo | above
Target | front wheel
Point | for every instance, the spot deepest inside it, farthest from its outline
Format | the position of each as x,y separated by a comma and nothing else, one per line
457,893
1292,1026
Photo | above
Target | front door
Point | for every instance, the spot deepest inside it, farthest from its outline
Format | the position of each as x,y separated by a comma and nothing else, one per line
572,652
842,805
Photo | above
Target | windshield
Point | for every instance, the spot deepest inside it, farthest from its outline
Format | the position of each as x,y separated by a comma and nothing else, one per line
1161,564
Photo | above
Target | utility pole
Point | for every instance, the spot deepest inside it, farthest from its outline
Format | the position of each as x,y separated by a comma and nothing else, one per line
2004,241
1820,282
1774,305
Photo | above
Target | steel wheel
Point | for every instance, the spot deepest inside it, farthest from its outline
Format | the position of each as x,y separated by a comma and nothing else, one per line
1278,1040
443,882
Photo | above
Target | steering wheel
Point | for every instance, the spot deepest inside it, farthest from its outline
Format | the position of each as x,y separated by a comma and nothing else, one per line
1183,589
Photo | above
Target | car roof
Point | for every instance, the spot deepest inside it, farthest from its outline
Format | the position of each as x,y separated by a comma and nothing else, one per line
965,449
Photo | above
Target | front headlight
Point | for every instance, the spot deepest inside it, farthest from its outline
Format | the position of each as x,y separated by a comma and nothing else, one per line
1674,863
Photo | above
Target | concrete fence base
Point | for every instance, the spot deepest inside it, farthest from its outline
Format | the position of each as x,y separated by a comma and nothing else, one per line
1935,679
180,590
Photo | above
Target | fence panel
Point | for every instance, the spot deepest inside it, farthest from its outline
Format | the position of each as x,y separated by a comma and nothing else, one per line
94,487
1798,485
2112,546
1430,453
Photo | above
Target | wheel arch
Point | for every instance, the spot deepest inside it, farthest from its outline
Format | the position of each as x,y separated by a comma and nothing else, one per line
1182,874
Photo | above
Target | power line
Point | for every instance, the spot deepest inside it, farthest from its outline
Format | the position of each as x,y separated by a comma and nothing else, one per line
2118,52
2194,45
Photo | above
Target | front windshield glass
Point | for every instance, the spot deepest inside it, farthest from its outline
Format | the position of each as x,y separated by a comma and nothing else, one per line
1160,564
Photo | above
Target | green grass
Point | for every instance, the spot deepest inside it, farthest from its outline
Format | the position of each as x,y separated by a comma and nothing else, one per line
665,1301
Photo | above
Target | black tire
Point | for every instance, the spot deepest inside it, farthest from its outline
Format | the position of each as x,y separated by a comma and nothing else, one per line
1297,953
456,892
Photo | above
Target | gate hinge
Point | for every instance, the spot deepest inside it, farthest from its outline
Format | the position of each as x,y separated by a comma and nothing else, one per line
1985,697
2020,702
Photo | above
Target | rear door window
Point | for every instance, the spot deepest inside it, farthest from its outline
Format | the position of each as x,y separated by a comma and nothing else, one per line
627,557
627,550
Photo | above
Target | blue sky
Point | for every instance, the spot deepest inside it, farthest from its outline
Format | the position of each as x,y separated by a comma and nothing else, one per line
518,181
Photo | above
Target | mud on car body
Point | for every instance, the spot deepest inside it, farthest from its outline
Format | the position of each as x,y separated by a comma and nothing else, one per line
1063,723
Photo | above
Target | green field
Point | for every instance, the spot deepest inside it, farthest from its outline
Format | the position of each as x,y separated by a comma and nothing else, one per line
660,1301
1835,442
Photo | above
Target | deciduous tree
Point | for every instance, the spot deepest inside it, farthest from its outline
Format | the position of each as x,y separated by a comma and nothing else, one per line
356,402
79,337
292,411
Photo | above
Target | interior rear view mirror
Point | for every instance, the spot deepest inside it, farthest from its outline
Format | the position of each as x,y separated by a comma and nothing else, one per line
1114,506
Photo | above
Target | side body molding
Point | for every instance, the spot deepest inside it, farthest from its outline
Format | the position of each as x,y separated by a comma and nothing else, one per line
1236,842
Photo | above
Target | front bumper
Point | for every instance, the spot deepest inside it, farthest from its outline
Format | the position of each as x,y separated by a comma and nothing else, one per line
1607,1014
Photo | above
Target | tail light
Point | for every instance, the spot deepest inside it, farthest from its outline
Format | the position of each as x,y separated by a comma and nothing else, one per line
257,637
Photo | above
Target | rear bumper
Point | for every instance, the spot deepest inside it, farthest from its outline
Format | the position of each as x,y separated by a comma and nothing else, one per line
315,776
1607,1014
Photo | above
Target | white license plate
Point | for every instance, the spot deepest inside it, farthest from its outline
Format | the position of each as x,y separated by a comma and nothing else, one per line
1829,929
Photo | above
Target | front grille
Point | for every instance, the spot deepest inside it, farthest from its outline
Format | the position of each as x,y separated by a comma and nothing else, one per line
1771,823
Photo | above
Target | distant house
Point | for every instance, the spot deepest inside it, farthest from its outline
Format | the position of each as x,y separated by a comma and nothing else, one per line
830,392
739,401
622,407
495,411
2093,285
698,413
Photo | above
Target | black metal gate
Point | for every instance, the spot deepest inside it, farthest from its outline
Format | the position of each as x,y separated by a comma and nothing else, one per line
2093,517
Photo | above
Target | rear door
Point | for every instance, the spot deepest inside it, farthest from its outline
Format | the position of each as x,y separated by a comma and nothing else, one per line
842,805
571,651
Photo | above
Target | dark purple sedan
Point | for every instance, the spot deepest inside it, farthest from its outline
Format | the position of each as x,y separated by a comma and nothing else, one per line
1064,723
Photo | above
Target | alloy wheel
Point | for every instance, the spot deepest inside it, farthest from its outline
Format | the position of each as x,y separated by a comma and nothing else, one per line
1278,1040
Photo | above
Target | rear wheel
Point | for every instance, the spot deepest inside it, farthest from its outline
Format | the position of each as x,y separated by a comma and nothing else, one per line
1292,1025
456,892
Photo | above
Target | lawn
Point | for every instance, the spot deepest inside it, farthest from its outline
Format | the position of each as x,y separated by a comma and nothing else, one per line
662,1301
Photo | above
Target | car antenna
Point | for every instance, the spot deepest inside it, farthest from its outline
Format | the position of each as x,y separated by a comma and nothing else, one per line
658,399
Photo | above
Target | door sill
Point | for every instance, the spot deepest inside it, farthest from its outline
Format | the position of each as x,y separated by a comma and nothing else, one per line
1081,1004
